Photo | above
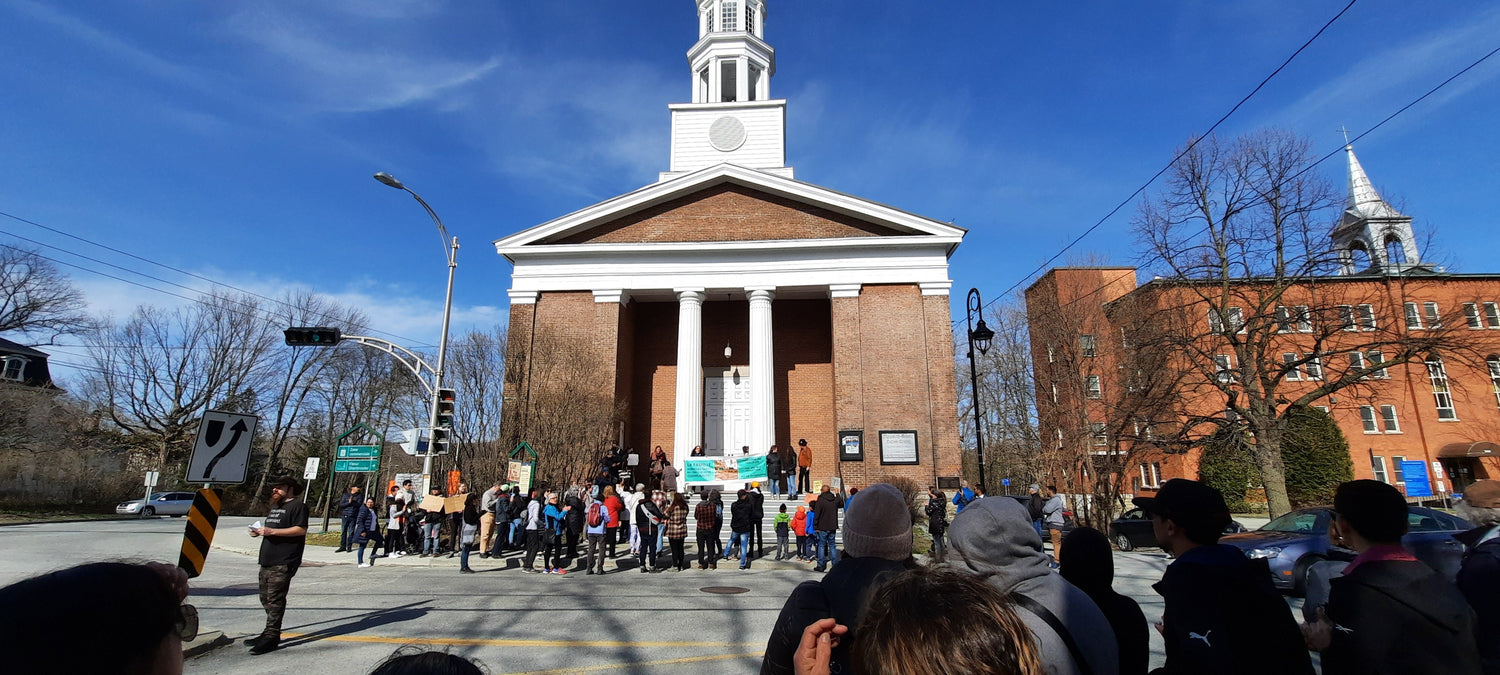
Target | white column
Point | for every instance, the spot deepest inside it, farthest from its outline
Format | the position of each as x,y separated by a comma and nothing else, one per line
688,429
762,375
741,79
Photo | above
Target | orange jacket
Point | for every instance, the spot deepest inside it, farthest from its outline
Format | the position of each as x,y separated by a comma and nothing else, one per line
804,457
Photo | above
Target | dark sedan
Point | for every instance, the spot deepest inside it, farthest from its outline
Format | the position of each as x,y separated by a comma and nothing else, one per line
1294,542
1133,530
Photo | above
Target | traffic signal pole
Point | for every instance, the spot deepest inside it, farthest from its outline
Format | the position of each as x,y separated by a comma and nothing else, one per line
437,384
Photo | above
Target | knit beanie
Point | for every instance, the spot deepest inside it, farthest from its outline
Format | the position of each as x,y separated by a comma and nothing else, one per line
878,524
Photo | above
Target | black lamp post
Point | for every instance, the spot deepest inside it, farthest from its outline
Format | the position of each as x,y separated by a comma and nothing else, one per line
979,337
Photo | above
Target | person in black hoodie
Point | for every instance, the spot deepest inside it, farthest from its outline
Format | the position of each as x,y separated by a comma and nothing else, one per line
1389,612
1222,614
1090,565
1479,577
825,514
743,517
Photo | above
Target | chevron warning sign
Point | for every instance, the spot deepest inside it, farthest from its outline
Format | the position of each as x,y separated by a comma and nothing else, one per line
201,522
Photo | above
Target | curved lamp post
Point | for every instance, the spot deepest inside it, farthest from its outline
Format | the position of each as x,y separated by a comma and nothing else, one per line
450,249
979,337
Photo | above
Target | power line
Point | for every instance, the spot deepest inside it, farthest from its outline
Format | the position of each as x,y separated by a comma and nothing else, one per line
1169,164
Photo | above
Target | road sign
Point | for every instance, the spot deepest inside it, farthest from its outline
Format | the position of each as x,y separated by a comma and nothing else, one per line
416,442
356,465
311,471
223,448
358,451
151,478
202,520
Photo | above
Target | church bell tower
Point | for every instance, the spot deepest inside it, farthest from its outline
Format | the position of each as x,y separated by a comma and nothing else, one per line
1372,236
732,118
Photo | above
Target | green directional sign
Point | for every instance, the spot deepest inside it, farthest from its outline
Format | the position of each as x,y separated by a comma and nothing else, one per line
356,465
358,451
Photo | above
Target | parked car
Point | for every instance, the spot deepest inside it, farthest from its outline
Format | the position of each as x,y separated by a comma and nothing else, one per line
1133,530
1294,542
161,503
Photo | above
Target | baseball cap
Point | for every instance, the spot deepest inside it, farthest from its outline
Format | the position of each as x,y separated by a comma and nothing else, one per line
1484,494
1187,503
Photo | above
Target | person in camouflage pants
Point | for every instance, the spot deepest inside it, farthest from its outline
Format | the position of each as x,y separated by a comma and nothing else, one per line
283,537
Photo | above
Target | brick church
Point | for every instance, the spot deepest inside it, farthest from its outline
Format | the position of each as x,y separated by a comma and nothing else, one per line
733,306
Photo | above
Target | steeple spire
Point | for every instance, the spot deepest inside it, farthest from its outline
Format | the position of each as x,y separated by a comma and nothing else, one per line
1363,199
1372,236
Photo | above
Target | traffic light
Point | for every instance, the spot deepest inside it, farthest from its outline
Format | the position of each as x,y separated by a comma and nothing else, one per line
442,434
311,336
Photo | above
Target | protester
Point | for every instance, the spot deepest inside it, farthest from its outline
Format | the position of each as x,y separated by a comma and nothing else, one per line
349,505
395,528
963,497
1221,612
468,532
742,526
432,529
804,467
367,529
456,522
501,510
555,525
487,517
406,493
573,524
877,544
648,518
660,499
773,471
676,528
1479,577
758,512
788,475
799,528
1053,519
937,520
706,516
617,519
783,524
1090,566
994,538
533,527
413,660
106,618
283,537
658,462
825,516
669,475
518,505
626,510
1388,612
1034,505
595,529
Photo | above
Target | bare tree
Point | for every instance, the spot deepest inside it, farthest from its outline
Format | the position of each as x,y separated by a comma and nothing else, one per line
476,371
560,407
1007,397
1247,312
37,301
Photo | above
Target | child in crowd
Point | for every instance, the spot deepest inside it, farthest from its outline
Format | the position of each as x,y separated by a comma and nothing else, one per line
783,531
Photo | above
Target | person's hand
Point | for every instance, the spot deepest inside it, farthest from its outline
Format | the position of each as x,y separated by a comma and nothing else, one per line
1318,634
174,576
257,531
1161,628
816,650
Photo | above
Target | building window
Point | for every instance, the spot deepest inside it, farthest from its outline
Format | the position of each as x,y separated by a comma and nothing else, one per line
1367,317
1314,368
1441,394
1491,315
1399,470
1357,363
1413,316
1376,358
1283,319
1471,314
1494,364
1094,388
1367,417
1150,474
1304,319
1377,466
1086,346
750,19
1434,319
1346,317
1223,367
1388,422
1236,319
15,368
1293,371
730,16
1099,433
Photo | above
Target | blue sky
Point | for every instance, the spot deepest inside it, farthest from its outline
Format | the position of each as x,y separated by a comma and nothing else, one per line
237,139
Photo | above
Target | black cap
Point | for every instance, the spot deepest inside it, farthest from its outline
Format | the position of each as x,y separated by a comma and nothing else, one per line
1187,503
289,483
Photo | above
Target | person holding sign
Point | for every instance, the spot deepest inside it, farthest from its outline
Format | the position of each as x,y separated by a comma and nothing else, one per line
283,538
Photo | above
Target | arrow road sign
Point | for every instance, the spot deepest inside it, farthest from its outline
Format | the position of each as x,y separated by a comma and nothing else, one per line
358,451
223,448
355,465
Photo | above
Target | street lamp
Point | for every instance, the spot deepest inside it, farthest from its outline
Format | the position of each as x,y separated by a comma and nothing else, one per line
450,249
979,337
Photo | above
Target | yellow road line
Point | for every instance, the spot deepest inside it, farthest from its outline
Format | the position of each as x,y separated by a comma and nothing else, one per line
480,642
615,666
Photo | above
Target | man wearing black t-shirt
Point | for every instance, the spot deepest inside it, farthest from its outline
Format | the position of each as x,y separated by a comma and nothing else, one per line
284,535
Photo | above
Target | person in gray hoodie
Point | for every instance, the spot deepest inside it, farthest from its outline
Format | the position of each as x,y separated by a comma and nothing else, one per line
995,538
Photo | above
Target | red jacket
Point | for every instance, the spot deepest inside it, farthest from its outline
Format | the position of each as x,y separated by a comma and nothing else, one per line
799,522
612,504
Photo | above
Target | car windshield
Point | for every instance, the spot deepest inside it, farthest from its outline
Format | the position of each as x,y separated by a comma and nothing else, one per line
1302,522
1420,519
1134,514
158,495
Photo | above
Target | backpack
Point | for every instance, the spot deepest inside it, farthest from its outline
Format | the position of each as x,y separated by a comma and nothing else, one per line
596,514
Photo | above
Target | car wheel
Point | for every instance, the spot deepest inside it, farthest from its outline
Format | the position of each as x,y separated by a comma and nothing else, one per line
1123,542
1299,574
148,511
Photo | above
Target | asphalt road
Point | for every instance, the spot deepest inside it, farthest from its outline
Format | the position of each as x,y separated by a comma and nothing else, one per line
345,619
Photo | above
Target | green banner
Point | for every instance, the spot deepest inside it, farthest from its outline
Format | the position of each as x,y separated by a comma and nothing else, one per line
701,470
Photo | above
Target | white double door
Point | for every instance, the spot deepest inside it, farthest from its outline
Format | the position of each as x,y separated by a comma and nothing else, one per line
726,412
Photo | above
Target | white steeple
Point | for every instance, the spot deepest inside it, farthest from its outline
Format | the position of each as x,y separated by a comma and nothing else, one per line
732,117
1372,236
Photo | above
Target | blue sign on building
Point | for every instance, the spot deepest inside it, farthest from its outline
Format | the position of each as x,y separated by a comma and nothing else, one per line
1415,475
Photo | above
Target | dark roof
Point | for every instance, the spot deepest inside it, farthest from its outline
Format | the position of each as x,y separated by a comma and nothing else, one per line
18,348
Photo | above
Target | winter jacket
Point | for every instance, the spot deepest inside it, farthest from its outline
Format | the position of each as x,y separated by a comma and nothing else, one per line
963,498
844,594
773,466
645,512
826,513
677,522
937,515
1223,615
788,462
613,506
783,522
742,516
366,521
757,504
995,537
1479,581
487,500
1034,505
804,457
705,513
799,522
556,518
350,504
1398,616
533,519
1052,512
575,514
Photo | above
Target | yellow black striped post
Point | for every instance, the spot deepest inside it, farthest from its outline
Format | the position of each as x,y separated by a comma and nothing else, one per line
201,522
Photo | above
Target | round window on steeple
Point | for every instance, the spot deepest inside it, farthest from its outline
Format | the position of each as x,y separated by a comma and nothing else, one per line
726,134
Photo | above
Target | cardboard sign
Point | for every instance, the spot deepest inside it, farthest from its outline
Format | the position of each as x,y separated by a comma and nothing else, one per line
455,503
432,503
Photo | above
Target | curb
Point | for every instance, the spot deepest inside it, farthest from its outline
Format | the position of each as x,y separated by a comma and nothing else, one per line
76,520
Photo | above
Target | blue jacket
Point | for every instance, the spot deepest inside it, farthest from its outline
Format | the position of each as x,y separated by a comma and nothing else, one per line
962,498
556,519
350,504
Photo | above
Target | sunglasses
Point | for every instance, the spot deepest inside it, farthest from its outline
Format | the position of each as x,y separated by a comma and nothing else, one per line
186,624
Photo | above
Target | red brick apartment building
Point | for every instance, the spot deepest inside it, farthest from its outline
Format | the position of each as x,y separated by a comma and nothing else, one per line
1438,402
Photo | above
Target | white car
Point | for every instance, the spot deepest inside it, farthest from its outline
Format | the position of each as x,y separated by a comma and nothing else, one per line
160,504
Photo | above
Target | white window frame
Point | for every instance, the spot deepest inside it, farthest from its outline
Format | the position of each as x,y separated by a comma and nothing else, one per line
1304,319
1376,356
1471,314
1093,387
1396,470
1099,434
1323,408
1236,319
1357,362
1314,368
1413,316
1346,318
1088,346
1431,313
1388,422
1224,367
1284,319
750,18
1491,315
1377,467
19,365
1294,371
1442,393
729,15
1366,316
1368,418
1494,363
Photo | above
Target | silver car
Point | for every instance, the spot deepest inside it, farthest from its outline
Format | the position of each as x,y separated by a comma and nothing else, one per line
160,504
